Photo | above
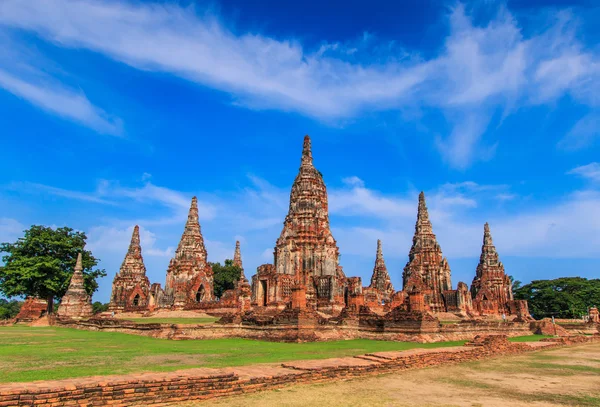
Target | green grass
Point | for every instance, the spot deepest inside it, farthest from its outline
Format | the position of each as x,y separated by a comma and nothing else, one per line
47,353
185,321
529,338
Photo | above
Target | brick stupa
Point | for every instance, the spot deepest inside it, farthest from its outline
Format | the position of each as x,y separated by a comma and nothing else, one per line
131,287
76,303
380,279
491,288
427,271
189,276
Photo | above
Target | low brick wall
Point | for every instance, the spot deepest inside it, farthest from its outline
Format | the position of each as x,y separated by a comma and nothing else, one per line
200,384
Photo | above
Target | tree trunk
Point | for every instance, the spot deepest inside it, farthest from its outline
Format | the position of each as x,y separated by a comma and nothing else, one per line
50,308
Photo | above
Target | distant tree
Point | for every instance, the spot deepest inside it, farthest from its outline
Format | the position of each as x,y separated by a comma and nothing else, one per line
567,297
41,264
225,276
98,307
514,283
9,309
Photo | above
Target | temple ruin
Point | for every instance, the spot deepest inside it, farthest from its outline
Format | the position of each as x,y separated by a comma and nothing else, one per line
131,287
305,284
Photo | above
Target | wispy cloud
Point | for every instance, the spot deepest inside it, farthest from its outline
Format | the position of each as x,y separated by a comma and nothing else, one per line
584,133
31,187
479,70
590,171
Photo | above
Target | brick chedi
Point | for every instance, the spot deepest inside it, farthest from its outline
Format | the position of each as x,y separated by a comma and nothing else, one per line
491,288
306,254
381,289
76,303
131,287
189,275
427,271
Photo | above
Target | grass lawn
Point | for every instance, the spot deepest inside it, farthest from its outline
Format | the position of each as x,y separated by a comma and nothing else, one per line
188,321
529,338
46,353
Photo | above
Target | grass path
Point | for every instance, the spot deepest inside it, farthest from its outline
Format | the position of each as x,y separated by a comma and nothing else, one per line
45,353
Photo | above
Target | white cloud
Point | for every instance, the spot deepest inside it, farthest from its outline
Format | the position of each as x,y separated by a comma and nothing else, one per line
57,99
480,68
65,193
10,230
590,171
583,134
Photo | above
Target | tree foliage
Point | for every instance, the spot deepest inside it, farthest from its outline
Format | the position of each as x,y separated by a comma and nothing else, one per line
41,264
98,307
567,297
9,309
225,276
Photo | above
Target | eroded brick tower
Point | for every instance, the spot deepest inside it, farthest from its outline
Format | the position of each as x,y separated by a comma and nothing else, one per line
491,288
427,271
189,276
306,254
76,303
131,287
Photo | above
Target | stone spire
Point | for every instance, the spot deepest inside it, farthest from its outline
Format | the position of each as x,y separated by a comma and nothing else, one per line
237,259
131,286
307,159
76,284
76,303
134,262
306,246
491,288
192,243
189,276
380,278
427,269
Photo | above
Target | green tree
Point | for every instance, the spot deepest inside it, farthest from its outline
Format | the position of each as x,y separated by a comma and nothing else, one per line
225,276
41,264
98,307
567,297
9,309
515,284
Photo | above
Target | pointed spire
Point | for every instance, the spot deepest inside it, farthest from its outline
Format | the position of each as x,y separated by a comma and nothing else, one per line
487,235
76,283
79,263
133,263
192,243
307,152
237,255
134,246
380,278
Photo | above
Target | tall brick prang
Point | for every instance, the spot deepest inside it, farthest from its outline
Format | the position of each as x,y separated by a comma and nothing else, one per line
306,254
491,288
131,287
189,276
76,303
427,270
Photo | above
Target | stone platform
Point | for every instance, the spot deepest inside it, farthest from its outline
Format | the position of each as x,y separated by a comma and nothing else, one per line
205,383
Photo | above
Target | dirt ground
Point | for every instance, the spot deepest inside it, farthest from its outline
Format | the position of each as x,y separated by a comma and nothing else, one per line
561,377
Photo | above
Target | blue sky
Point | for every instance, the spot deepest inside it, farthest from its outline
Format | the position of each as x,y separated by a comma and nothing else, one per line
116,113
